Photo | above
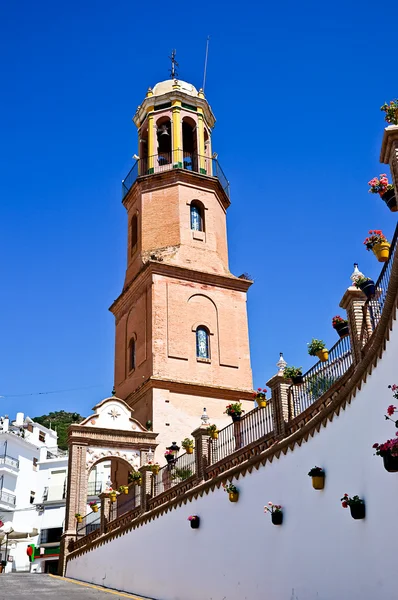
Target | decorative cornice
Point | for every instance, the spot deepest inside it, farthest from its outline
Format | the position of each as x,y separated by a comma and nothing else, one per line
87,436
389,137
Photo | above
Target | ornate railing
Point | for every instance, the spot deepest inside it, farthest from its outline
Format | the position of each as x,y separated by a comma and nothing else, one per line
181,469
167,161
320,378
90,523
7,498
256,424
373,307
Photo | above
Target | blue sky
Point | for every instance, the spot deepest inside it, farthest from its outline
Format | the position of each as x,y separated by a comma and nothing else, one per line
296,89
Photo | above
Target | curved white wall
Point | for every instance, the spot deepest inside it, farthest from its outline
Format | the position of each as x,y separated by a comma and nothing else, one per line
320,552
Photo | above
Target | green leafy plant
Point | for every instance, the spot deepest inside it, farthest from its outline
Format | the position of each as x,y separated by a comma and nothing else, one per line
234,410
212,429
358,281
123,488
134,476
60,420
187,443
319,385
391,110
346,501
78,515
182,474
290,372
230,488
317,472
315,346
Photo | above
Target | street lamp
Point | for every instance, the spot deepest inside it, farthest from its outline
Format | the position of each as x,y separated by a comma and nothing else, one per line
172,452
150,455
205,417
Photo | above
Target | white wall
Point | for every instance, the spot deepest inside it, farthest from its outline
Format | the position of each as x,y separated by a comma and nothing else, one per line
319,553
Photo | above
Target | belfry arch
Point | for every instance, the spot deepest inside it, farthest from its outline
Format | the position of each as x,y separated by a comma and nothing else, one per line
110,434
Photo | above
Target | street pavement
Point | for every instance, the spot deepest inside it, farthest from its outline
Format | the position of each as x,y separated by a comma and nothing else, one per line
25,586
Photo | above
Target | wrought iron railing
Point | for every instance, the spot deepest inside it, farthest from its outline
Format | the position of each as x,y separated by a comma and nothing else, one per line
320,378
90,523
373,307
178,159
7,498
256,424
9,461
181,469
95,487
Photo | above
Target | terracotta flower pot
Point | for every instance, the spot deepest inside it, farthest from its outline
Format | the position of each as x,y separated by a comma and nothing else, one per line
323,355
318,482
382,251
277,517
233,496
358,510
390,463
391,200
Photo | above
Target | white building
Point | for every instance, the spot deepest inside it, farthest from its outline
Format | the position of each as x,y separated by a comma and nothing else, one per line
33,476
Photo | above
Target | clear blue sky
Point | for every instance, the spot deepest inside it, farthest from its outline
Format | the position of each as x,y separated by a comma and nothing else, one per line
296,89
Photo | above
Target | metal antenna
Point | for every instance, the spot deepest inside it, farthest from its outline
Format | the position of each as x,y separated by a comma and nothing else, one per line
174,64
205,70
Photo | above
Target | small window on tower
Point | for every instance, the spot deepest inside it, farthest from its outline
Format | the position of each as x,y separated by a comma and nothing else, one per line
132,355
197,220
202,343
134,233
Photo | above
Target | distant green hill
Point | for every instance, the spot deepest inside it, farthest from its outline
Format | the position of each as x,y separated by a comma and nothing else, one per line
59,420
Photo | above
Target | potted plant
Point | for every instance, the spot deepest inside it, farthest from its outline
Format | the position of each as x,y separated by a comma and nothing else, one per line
195,521
170,456
276,513
113,494
377,242
356,504
94,506
341,326
295,374
187,444
135,478
365,284
213,432
124,489
234,410
318,348
181,474
385,190
79,518
389,449
260,397
318,478
391,110
232,491
154,467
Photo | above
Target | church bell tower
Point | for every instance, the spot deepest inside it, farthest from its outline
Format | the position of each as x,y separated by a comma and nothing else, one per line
181,321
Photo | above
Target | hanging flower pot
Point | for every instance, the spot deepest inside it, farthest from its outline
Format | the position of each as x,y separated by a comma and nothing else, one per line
189,450
391,200
341,326
79,518
390,463
234,410
232,490
94,506
260,397
379,245
366,285
356,504
155,468
277,517
124,489
318,478
113,496
294,374
276,513
213,432
194,521
323,355
318,348
187,444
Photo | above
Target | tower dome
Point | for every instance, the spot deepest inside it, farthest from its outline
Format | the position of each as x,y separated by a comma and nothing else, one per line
164,87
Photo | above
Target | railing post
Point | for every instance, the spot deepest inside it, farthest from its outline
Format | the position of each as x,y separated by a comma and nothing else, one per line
353,302
104,511
201,438
279,387
389,152
145,486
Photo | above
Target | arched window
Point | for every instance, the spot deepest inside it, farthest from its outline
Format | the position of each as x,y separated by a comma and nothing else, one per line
197,221
134,233
132,354
202,343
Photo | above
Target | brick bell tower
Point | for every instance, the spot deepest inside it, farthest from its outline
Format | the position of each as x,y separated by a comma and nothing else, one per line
181,322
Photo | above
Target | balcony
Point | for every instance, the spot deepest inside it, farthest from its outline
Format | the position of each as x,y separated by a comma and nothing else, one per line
94,488
167,161
9,462
7,498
